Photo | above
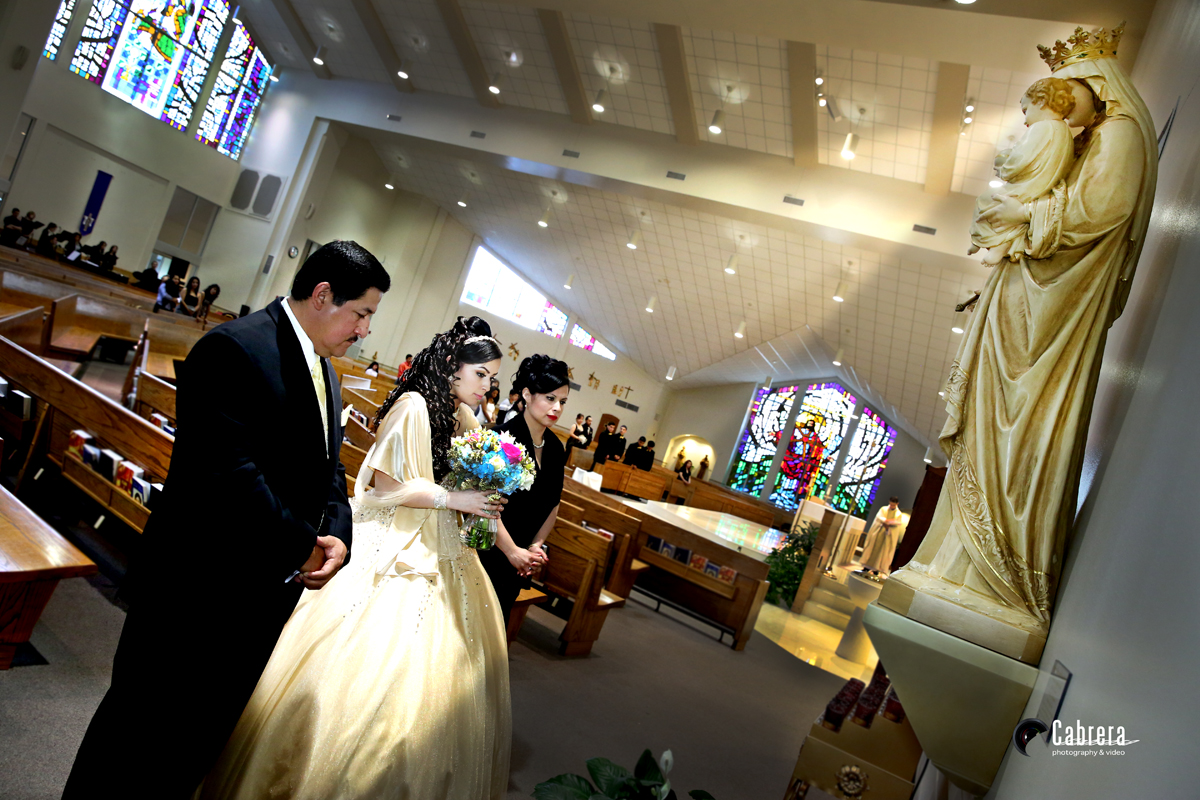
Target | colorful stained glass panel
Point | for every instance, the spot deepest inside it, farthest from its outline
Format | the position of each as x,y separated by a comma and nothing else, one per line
62,18
197,59
148,52
812,453
226,87
761,438
864,465
100,32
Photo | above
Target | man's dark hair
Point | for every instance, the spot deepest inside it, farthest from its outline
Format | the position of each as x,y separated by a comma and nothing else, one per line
650,444
641,438
348,268
893,499
409,355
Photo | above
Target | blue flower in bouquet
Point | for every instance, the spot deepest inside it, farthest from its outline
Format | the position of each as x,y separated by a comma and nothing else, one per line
490,462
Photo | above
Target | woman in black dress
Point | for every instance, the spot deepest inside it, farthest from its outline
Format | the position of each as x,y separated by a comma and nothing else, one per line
527,519
189,300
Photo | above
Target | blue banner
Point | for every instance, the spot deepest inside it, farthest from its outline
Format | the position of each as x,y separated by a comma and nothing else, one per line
92,210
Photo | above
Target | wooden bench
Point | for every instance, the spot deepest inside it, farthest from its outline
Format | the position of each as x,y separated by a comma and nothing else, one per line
154,396
169,344
629,480
33,559
525,600
79,281
575,571
360,402
20,292
624,567
705,496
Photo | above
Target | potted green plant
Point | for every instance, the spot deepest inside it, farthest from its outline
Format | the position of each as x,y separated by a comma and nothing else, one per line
648,781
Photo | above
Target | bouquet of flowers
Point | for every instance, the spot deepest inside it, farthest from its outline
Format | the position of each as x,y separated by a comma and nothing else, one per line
492,462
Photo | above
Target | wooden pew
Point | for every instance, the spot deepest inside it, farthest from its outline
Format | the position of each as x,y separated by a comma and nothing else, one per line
360,402
33,559
516,617
352,459
705,495
600,498
27,328
575,570
629,480
154,395
19,292
81,281
624,568
168,344
77,322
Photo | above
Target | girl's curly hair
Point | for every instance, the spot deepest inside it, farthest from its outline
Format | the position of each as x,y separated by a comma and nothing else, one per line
432,376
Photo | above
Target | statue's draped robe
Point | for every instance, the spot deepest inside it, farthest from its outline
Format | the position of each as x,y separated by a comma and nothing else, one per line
1020,390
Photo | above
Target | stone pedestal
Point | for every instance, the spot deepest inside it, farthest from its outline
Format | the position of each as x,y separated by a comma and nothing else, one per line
963,700
855,645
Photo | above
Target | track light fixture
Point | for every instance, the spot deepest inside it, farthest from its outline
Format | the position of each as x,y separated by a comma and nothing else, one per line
928,455
740,333
494,86
274,74
237,13
570,280
401,71
849,146
319,56
731,265
650,303
388,186
544,222
718,122
837,359
601,101
462,201
956,329
839,294
634,240
671,373
820,79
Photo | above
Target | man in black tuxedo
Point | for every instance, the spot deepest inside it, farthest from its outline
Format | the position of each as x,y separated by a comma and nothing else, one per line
610,446
254,510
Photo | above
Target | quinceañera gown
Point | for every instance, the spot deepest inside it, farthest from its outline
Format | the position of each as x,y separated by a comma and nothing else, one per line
392,681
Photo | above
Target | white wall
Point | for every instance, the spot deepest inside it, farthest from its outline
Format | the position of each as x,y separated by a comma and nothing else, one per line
1125,619
714,413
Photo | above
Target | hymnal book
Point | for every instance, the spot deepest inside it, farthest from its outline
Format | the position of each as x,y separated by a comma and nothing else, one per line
667,549
126,472
606,534
159,420
107,464
21,240
167,429
712,570
74,256
654,543
727,575
698,562
140,491
76,441
91,454
682,554
19,404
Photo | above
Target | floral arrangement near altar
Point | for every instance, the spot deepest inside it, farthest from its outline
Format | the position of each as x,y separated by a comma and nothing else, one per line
491,462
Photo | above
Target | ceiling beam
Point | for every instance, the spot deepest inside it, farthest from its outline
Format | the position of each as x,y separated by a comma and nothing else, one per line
675,75
296,28
802,67
369,17
468,52
554,25
947,120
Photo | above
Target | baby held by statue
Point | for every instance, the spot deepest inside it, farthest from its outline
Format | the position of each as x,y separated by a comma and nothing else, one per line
1030,169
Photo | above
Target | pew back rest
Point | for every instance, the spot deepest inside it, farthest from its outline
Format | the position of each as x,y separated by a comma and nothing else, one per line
358,434
29,329
29,291
154,395
577,561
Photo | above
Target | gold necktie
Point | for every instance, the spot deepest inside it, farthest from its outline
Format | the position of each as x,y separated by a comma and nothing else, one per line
318,379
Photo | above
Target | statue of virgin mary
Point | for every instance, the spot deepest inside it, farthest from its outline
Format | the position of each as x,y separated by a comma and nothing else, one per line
1020,390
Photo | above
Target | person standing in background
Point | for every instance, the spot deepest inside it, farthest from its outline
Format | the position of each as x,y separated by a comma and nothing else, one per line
647,460
633,453
405,366
609,446
541,383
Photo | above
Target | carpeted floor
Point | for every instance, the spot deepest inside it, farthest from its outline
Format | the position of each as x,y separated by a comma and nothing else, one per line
733,720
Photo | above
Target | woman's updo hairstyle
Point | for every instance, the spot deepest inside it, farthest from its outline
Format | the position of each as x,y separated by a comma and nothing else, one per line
432,376
540,374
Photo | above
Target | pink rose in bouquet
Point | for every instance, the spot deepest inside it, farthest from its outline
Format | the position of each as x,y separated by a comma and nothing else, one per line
512,452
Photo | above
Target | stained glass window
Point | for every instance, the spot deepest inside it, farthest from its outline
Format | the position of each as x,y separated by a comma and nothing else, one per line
59,29
104,21
583,339
812,454
865,463
197,59
760,440
491,285
235,96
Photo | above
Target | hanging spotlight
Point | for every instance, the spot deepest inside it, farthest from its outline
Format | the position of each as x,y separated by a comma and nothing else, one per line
740,333
820,79
832,108
837,359
970,107
731,267
718,121
968,120
821,99
928,455
388,186
839,294
650,303
671,373
462,201
403,73
494,86
274,74
319,56
941,394
237,11
601,101
996,183
570,280
544,222
956,329
850,146
634,240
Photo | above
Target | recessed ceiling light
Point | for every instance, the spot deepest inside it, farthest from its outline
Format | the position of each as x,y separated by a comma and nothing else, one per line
740,333
650,303
388,186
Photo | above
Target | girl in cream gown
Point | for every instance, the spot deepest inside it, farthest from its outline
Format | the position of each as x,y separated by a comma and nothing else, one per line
392,681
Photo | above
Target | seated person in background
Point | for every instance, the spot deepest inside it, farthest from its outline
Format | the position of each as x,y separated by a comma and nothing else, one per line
49,237
403,368
507,408
168,294
647,462
211,293
189,299
487,409
94,252
578,436
633,453
12,228
373,369
29,224
109,259
609,446
147,279
685,472
71,243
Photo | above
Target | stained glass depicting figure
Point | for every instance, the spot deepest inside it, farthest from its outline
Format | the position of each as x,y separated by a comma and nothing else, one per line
812,453
148,53
760,440
62,18
197,59
100,32
865,463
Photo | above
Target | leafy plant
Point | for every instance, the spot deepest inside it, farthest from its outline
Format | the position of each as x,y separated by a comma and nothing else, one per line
648,781
787,563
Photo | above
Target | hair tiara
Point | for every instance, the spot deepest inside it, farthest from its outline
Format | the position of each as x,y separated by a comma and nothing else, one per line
474,339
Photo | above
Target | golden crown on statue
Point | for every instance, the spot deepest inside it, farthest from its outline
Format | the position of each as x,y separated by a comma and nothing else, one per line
1081,46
